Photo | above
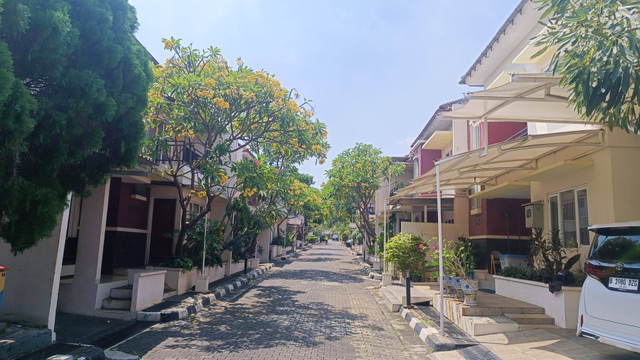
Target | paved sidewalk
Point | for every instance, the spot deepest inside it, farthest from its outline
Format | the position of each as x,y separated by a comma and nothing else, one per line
319,306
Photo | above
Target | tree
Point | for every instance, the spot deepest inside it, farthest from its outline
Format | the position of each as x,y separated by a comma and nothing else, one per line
68,115
204,113
597,53
354,178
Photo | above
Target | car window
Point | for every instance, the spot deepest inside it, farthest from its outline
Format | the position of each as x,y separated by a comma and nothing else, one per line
616,245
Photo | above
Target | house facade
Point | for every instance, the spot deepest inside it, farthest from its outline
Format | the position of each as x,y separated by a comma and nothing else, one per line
527,146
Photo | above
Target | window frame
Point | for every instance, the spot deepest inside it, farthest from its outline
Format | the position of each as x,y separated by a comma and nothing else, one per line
577,218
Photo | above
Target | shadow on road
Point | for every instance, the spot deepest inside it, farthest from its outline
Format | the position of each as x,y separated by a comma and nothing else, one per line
276,318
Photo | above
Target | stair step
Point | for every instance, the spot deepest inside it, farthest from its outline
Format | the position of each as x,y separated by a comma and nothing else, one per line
124,292
116,304
485,325
496,311
531,319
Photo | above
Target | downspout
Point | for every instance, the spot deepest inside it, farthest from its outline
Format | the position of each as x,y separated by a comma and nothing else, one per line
486,136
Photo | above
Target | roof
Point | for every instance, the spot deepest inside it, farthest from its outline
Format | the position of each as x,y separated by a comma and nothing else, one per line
494,40
448,106
527,98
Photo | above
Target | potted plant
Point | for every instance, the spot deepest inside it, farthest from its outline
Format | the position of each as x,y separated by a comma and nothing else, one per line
459,260
408,252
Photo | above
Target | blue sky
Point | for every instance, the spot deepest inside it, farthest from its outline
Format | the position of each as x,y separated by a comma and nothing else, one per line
375,70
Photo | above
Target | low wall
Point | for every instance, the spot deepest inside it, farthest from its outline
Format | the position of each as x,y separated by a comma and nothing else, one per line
178,279
561,305
215,273
148,289
236,267
430,230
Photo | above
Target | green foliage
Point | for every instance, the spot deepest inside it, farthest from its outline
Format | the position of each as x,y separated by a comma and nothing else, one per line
312,239
547,258
200,103
458,257
353,180
73,89
407,252
521,273
597,52
192,250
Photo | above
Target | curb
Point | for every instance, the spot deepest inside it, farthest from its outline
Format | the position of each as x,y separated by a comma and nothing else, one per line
366,268
427,334
200,300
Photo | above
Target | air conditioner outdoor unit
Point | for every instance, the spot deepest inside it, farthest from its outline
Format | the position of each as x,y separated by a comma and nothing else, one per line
533,215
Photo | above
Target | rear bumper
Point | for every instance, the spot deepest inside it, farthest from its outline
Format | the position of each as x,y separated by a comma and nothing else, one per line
609,340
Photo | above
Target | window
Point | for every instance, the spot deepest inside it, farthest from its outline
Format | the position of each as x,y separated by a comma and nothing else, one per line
415,168
476,204
446,205
569,214
474,136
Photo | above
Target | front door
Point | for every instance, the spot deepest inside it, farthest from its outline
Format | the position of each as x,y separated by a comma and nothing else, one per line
161,247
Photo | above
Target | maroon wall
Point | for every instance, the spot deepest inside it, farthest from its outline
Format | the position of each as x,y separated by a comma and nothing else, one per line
123,210
492,220
498,131
501,131
426,160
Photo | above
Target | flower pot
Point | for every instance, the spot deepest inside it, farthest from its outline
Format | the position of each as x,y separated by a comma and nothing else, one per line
448,286
457,286
469,289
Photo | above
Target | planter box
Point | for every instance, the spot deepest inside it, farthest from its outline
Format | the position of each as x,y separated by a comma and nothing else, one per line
253,263
276,251
561,305
179,280
214,273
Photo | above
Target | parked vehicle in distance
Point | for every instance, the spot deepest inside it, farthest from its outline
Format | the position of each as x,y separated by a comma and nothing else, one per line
608,310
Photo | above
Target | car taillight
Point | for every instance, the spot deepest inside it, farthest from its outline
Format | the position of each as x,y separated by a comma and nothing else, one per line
594,271
581,320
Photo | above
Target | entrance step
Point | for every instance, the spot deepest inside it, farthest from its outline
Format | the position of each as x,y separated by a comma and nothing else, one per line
393,303
484,325
531,319
115,314
123,292
116,304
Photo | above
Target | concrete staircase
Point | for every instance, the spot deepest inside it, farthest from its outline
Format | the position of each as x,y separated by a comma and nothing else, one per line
485,280
494,314
119,299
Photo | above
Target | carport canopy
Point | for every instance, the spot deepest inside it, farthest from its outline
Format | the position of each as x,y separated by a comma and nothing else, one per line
477,168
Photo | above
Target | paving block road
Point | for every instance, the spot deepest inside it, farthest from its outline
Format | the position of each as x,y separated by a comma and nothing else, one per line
317,306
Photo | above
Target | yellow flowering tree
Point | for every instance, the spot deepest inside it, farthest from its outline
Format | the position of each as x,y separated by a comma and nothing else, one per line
354,178
203,113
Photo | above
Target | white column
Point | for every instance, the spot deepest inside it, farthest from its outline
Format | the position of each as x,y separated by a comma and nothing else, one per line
80,296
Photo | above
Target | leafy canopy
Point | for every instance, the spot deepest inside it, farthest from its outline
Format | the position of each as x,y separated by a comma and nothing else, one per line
73,89
204,114
354,178
597,54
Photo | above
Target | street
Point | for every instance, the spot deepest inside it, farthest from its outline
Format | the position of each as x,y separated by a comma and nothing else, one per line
318,306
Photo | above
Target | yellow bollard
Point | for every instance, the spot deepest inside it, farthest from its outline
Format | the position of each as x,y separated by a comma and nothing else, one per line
3,269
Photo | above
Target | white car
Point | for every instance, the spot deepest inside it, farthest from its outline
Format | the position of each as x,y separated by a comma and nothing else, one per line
610,295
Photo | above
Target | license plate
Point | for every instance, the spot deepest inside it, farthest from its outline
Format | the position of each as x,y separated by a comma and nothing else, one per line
623,283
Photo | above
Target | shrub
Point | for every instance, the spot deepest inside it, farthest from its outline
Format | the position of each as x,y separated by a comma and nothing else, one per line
407,252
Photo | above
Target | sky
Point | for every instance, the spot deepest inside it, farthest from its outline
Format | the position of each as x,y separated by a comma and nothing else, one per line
374,70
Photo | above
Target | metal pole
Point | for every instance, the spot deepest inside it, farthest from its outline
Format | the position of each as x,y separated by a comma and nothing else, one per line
385,238
440,265
407,275
204,243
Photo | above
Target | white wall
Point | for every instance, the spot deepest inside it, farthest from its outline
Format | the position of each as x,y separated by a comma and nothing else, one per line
32,283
